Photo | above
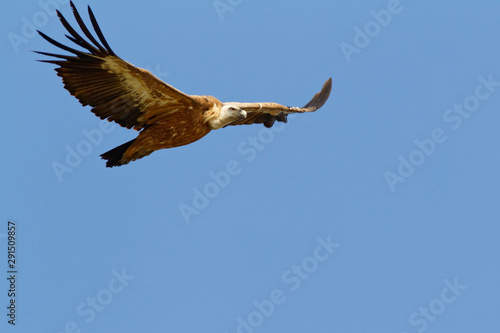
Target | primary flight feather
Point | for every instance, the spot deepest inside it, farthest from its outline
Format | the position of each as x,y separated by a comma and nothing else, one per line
134,98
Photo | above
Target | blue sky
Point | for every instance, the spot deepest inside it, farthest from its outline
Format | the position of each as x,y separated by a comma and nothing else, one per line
378,213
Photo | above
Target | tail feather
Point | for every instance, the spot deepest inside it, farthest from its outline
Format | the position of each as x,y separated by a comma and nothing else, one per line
115,155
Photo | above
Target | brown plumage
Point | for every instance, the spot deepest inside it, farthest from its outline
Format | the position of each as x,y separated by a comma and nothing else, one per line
134,98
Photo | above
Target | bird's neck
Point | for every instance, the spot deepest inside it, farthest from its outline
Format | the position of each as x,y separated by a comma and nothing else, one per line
213,118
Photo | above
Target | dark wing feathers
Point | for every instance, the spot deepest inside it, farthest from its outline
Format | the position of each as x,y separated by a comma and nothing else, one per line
77,39
117,90
86,30
321,97
97,30
268,113
261,118
59,45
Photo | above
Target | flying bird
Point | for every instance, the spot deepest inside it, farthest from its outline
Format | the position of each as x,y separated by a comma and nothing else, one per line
134,98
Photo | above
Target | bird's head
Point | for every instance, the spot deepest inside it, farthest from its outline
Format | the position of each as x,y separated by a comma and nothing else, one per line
228,114
232,113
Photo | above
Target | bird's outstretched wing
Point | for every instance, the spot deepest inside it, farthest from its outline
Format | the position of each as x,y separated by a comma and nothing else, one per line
117,90
268,113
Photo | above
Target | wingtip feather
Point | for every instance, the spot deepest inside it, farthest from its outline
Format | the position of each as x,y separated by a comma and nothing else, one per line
98,31
321,97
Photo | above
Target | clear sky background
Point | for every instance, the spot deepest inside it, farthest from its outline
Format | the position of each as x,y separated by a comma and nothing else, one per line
378,213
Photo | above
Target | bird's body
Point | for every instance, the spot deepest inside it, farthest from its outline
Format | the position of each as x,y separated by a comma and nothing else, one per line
134,98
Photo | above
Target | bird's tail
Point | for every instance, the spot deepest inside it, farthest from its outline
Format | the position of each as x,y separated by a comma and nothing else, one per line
114,156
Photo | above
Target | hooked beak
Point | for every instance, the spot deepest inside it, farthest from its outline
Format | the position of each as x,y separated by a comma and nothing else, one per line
242,114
